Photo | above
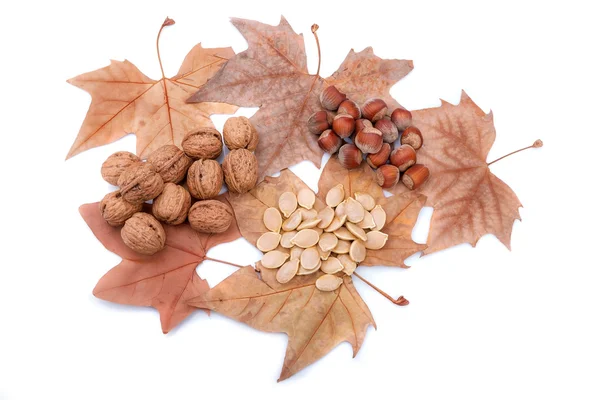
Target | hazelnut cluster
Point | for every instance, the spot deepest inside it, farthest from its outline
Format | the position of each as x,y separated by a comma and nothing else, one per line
159,179
369,133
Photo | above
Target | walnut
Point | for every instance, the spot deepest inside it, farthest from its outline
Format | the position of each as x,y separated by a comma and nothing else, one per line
115,210
140,182
144,234
203,143
210,216
173,204
170,162
115,164
239,133
205,179
241,170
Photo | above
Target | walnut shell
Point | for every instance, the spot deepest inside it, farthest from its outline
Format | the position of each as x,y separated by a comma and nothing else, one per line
142,233
203,143
205,179
140,182
239,133
173,204
210,216
115,164
170,162
240,168
115,210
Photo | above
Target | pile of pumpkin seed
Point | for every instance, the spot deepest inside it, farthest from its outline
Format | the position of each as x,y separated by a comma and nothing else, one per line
301,240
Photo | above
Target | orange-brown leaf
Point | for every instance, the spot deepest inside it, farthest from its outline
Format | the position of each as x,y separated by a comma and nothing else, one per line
314,321
468,200
165,280
272,74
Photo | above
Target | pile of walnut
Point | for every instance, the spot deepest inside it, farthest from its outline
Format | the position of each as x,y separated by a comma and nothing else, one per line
157,179
369,131
333,240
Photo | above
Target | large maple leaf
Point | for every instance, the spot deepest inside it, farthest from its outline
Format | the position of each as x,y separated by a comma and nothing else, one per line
124,101
165,280
272,74
468,200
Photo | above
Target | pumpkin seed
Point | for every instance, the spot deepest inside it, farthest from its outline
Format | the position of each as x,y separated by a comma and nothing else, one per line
328,241
308,215
292,222
336,224
304,271
328,283
288,203
344,234
306,198
375,240
286,239
343,247
354,210
340,210
323,254
305,238
287,271
309,224
368,222
367,201
356,231
310,258
379,217
296,252
348,263
335,195
358,252
331,266
326,216
274,259
268,241
272,219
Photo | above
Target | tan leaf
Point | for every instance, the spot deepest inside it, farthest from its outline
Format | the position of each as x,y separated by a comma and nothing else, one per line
165,280
124,100
468,200
314,321
272,74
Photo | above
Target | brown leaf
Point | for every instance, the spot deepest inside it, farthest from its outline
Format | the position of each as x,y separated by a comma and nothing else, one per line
165,280
468,200
124,100
314,321
401,211
272,74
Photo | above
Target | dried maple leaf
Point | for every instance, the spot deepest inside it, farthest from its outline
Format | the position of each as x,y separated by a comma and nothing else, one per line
124,100
272,74
468,200
165,280
314,321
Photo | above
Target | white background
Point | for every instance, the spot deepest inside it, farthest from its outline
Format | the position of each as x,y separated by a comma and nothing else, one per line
483,323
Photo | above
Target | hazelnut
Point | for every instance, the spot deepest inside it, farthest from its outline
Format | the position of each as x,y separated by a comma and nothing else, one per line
203,143
369,140
115,210
142,233
210,216
349,107
205,179
170,162
374,109
319,122
239,133
387,176
381,157
240,168
389,132
415,176
331,98
173,204
412,136
403,157
140,182
343,125
362,124
402,118
115,164
350,156
329,141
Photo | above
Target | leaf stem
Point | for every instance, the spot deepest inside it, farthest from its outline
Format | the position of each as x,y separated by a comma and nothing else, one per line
224,262
168,21
400,301
538,143
314,28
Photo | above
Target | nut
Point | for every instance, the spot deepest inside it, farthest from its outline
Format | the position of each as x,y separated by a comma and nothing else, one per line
287,271
210,216
240,168
387,176
403,157
374,109
331,266
375,240
415,176
115,210
331,98
389,131
306,198
402,118
369,140
412,136
328,283
205,179
349,107
172,205
143,234
288,203
379,217
239,133
362,124
318,122
268,241
170,162
203,143
329,141
115,164
350,156
139,183
274,259
343,125
375,160
272,219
